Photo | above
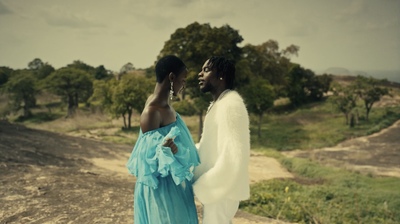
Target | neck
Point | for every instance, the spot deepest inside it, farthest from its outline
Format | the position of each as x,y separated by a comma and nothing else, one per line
217,93
161,93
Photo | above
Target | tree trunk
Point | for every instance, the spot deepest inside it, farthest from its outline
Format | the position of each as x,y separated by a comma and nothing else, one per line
129,118
76,100
368,109
259,125
71,106
27,112
123,116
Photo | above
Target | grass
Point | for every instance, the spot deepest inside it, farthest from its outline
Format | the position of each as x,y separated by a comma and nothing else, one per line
316,126
320,194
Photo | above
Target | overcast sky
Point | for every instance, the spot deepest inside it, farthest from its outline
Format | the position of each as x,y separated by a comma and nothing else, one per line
352,34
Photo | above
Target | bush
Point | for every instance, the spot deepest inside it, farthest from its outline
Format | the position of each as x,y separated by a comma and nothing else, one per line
184,107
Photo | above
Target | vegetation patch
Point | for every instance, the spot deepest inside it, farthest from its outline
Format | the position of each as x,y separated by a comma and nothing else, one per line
325,195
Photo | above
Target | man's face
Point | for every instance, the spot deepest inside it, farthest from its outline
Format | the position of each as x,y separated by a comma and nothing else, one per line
208,80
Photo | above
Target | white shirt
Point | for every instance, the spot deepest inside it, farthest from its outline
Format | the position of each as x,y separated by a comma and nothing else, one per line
224,151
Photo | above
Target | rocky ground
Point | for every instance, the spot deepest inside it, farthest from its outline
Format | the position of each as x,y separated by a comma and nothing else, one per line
47,177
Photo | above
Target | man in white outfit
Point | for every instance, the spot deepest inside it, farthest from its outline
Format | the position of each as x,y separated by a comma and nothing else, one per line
222,178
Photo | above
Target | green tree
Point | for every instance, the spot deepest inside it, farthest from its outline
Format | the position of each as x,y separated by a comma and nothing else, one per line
259,96
296,89
40,69
103,93
194,44
130,94
304,86
73,85
318,86
35,64
5,73
77,64
370,91
126,68
22,91
271,63
344,99
100,72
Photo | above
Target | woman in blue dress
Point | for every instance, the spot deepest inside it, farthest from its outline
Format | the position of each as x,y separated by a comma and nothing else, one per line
164,155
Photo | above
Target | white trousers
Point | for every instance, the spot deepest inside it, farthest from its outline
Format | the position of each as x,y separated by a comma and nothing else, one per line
221,212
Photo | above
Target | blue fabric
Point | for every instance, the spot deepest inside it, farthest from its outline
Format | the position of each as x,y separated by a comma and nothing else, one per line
163,189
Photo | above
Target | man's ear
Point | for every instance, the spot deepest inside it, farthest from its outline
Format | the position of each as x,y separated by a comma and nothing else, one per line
171,77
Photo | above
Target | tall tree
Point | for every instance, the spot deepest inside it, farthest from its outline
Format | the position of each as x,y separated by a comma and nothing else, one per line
126,68
344,99
72,84
103,93
35,64
100,72
130,94
194,44
22,90
40,69
259,96
5,73
370,91
270,62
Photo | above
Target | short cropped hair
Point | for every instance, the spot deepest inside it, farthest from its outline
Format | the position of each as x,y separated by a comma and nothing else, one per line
225,66
168,64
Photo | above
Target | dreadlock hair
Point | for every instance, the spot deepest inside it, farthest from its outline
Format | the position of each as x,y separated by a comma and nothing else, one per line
168,64
224,66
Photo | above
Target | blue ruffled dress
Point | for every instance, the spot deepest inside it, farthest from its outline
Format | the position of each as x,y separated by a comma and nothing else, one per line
163,189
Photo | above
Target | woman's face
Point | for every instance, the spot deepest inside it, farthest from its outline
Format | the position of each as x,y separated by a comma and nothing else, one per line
180,82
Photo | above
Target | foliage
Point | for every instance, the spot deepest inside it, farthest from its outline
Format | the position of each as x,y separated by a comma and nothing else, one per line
194,44
184,107
314,125
268,62
369,90
325,195
259,96
98,73
130,94
101,73
5,73
40,69
73,85
344,99
22,90
304,86
126,68
103,93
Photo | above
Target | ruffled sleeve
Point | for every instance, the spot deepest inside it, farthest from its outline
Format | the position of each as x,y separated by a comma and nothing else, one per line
150,160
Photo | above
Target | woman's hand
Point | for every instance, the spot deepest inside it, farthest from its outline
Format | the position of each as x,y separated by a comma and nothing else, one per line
170,143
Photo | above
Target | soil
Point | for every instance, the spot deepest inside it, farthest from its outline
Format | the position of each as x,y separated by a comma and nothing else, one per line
47,177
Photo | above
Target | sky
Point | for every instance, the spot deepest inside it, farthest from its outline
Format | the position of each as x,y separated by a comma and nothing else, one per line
352,34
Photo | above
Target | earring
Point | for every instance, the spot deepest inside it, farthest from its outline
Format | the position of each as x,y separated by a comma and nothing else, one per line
171,91
220,78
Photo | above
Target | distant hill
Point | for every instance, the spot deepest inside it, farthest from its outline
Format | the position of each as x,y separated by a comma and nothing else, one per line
393,76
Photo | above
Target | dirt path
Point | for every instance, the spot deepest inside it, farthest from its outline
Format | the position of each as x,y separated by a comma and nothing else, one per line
47,177
261,168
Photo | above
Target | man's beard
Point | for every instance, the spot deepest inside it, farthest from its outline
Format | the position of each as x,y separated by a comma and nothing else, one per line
207,88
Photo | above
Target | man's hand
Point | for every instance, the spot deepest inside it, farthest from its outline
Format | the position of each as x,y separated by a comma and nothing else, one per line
170,143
